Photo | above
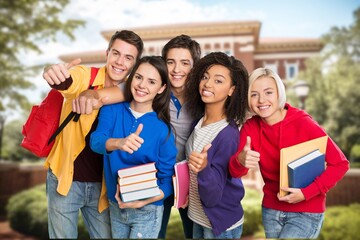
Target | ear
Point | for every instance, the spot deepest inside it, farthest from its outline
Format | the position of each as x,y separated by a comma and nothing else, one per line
231,91
107,54
162,89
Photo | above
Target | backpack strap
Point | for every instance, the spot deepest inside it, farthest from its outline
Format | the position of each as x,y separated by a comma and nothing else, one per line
73,115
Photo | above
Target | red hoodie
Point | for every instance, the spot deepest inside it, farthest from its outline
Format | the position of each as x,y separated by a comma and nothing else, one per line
297,127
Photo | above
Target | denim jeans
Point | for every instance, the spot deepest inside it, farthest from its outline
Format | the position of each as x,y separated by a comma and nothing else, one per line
130,223
279,224
63,211
200,232
186,221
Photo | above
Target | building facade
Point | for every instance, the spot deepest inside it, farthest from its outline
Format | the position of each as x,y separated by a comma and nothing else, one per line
241,39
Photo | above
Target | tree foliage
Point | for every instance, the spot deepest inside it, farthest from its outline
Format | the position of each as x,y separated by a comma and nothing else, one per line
11,143
334,79
24,25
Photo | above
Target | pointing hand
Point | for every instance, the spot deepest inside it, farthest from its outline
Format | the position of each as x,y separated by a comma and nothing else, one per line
58,73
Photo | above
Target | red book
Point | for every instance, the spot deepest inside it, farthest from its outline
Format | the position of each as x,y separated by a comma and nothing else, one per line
181,182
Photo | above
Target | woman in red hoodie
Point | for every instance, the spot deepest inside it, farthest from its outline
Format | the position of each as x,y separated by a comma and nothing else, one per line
275,125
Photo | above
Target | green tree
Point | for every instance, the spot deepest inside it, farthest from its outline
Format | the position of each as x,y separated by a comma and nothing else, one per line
334,78
12,139
25,24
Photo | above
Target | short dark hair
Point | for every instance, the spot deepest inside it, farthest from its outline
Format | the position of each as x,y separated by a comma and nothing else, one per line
183,41
236,104
129,37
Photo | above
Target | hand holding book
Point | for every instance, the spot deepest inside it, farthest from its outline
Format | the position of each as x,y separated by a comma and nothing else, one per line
289,154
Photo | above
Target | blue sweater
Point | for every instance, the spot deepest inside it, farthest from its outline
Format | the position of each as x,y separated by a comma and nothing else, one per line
221,194
117,121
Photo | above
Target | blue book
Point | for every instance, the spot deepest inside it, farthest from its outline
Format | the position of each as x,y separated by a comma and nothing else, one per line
305,169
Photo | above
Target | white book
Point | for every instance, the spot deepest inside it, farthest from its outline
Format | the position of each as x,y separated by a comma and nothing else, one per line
138,186
137,178
141,194
130,171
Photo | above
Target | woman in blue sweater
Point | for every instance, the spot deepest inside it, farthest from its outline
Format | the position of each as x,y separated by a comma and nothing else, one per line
136,132
218,85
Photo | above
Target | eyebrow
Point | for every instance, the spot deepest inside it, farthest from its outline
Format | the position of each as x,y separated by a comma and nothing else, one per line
181,60
128,55
152,79
219,75
269,88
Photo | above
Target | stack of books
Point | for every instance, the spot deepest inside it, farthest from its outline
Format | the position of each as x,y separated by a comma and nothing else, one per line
138,182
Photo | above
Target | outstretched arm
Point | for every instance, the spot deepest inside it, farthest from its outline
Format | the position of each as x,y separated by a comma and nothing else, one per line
90,100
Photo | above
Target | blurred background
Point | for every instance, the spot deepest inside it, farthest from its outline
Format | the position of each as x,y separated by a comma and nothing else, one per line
313,45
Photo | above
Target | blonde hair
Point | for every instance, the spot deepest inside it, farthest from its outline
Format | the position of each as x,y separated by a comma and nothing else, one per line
267,72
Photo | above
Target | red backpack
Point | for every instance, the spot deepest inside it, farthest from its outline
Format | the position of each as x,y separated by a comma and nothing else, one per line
42,125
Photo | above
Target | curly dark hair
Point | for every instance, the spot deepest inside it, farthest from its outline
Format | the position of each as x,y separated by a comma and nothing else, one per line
236,104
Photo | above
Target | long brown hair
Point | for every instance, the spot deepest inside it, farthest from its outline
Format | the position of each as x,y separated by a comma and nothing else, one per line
161,101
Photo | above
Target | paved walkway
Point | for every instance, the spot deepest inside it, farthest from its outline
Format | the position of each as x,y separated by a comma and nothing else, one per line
7,233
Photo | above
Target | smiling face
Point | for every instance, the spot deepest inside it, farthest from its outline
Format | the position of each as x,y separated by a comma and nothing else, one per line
264,100
179,63
120,59
216,85
145,85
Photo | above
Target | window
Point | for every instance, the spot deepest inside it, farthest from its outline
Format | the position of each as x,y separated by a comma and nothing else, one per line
272,66
292,69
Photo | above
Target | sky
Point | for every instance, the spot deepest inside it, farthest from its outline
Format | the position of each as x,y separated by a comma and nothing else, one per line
279,18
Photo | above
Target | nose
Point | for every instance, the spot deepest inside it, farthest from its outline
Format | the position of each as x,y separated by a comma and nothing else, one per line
261,98
142,83
176,67
120,60
208,82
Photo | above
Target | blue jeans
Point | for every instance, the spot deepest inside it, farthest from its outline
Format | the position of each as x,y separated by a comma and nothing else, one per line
200,232
63,211
136,223
186,221
279,224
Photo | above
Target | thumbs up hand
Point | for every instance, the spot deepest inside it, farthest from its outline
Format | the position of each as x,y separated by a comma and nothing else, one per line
132,142
58,73
247,157
198,161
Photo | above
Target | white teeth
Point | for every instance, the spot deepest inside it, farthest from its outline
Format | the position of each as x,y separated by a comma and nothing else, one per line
118,69
264,107
141,93
207,93
177,77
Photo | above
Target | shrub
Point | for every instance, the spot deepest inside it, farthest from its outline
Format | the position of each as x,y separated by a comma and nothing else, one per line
174,229
355,154
341,223
27,213
252,211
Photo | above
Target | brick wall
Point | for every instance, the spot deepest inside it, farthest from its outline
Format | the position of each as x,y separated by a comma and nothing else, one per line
15,178
346,191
